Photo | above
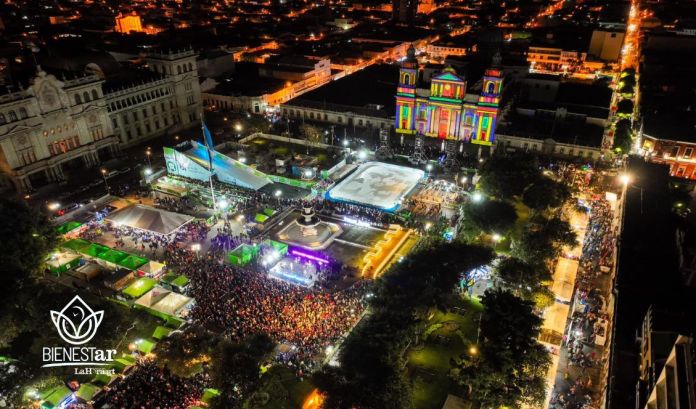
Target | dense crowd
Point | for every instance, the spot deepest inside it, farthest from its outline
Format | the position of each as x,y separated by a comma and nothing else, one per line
148,386
239,303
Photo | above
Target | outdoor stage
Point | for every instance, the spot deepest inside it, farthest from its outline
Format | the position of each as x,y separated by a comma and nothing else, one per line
377,184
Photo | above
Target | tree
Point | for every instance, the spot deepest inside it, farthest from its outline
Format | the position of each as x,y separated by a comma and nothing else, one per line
623,137
545,193
629,80
522,278
371,373
235,368
311,133
624,108
511,369
507,176
490,216
28,238
627,90
543,240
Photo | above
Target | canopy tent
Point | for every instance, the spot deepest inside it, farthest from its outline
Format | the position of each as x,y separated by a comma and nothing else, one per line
94,250
161,332
564,279
54,397
209,394
132,262
151,268
113,256
145,346
62,261
242,255
281,248
174,281
76,245
269,212
139,287
555,318
67,227
260,218
149,219
87,271
164,301
88,391
118,279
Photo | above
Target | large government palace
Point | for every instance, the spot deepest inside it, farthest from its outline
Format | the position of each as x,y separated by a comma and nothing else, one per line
55,123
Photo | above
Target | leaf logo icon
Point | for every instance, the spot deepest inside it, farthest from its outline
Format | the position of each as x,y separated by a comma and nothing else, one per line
77,323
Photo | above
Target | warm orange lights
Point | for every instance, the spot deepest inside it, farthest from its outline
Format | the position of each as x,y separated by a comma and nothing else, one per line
314,400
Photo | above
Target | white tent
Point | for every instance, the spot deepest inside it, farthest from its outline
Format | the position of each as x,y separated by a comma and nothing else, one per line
164,301
564,279
150,219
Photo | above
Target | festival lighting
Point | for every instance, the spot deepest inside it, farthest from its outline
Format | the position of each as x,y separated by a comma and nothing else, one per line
496,237
477,197
148,172
465,179
238,127
309,256
625,179
222,204
278,193
54,206
362,155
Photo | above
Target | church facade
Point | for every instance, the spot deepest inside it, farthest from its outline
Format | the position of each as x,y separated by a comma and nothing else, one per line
446,111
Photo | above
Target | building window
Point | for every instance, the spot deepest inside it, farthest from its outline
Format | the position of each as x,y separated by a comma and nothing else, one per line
681,170
688,152
22,113
85,96
114,122
2,119
95,95
144,113
13,116
148,128
674,152
78,100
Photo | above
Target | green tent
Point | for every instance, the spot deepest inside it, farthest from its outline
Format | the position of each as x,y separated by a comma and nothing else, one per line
175,281
76,245
53,397
94,250
101,379
87,391
145,346
269,212
242,255
161,332
61,262
281,248
123,362
209,394
132,262
67,227
139,287
113,256
260,218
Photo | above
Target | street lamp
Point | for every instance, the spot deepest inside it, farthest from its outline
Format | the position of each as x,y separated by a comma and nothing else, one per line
148,153
238,127
465,180
362,155
148,172
277,194
625,179
477,197
196,248
103,172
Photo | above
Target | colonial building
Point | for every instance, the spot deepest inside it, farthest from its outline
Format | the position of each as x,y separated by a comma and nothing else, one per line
55,124
49,125
446,110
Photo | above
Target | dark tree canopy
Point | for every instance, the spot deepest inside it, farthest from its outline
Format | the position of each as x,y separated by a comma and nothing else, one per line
625,106
522,277
490,216
544,239
545,193
511,369
507,176
371,373
27,239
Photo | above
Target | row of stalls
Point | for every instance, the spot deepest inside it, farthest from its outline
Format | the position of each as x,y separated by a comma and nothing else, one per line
138,283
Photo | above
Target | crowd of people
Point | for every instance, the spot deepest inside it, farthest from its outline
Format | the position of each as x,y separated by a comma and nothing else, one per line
239,303
148,386
590,318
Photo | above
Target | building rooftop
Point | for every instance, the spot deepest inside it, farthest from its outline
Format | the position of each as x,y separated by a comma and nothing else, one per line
361,92
547,124
246,81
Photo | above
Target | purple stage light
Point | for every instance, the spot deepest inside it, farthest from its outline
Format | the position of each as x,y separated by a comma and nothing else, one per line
309,256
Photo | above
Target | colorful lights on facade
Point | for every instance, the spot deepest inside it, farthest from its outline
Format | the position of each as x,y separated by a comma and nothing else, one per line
447,112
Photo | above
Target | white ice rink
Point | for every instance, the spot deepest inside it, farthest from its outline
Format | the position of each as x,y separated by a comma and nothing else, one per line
377,184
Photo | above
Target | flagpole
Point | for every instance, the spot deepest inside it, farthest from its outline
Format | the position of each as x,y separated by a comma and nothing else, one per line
210,161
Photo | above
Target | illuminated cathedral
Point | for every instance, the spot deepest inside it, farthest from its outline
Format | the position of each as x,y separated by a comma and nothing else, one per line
447,111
